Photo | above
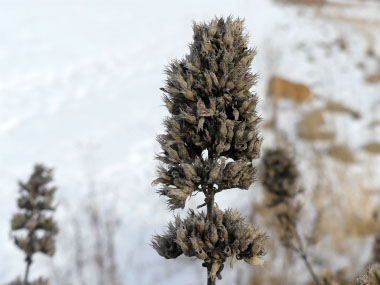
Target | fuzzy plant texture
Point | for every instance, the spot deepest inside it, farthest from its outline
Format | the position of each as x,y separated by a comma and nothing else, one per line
371,277
210,141
280,178
35,219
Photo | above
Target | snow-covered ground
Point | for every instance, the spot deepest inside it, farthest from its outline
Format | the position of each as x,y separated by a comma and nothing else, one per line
79,91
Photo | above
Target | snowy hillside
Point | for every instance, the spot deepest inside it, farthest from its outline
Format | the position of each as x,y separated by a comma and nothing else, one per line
79,91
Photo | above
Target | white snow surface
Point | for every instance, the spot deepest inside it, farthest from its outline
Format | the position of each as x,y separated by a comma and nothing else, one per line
79,91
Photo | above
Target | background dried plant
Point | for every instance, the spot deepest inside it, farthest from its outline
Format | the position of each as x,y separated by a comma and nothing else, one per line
35,218
280,179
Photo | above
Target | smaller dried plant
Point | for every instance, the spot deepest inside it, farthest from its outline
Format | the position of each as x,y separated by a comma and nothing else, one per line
280,179
34,218
371,277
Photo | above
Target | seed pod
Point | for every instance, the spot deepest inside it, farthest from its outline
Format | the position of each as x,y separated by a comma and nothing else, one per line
239,132
190,95
222,130
214,79
181,82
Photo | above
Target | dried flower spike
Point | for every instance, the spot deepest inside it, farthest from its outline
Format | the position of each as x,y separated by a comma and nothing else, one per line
210,140
280,179
34,217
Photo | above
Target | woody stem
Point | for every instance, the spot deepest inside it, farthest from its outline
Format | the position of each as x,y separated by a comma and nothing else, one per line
210,213
28,260
210,205
305,259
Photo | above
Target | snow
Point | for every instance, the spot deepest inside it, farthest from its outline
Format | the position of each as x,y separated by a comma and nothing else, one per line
79,91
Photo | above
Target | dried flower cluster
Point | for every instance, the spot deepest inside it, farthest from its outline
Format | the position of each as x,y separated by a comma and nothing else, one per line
371,277
213,242
280,175
184,179
210,140
35,203
211,108
280,179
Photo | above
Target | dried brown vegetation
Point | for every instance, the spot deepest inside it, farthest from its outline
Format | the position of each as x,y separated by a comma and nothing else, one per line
211,138
36,205
281,182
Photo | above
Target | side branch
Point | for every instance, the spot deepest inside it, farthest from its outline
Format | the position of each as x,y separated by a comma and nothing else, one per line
302,252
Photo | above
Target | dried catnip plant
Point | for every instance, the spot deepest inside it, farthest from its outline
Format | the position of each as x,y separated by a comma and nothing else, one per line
280,178
210,141
35,219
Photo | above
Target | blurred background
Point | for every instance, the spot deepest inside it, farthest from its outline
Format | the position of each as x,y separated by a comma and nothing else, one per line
79,91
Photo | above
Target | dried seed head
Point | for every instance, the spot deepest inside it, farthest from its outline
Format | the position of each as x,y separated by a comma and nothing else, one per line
211,108
280,179
280,176
35,203
227,236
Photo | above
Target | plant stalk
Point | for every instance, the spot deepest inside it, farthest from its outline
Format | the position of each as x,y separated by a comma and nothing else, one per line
28,260
210,213
210,281
310,268
304,257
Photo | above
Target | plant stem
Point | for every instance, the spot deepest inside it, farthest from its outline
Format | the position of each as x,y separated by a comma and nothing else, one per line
310,268
210,281
210,213
304,257
28,260
210,205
